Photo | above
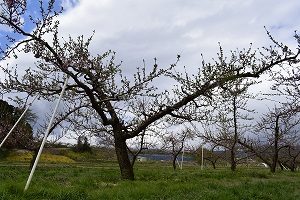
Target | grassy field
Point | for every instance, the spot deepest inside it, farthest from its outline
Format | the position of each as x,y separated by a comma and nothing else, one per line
153,181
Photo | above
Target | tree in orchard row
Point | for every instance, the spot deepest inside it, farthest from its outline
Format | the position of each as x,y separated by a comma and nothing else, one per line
228,121
278,138
176,142
99,84
278,130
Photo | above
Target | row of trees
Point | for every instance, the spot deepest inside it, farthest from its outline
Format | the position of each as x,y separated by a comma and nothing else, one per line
274,137
100,99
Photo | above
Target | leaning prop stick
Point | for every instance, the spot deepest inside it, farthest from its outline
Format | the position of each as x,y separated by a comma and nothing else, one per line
46,135
11,130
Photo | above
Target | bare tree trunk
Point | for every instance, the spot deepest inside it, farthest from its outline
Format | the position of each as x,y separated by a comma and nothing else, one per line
294,163
174,162
232,159
293,166
213,164
123,159
134,157
276,149
175,156
135,154
235,137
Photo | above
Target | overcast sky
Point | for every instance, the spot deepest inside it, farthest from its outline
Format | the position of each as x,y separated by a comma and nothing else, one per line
145,29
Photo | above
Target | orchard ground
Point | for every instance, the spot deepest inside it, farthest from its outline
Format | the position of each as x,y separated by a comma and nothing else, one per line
81,176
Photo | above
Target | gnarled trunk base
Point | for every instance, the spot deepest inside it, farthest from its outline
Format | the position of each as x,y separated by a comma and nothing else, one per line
123,160
233,160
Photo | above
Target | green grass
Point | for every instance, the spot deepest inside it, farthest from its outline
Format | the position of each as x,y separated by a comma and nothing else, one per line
153,181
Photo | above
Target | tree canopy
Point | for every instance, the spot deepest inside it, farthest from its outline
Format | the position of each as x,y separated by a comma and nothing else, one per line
98,88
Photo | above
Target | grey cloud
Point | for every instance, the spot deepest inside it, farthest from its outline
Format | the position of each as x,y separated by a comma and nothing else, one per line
138,29
142,29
